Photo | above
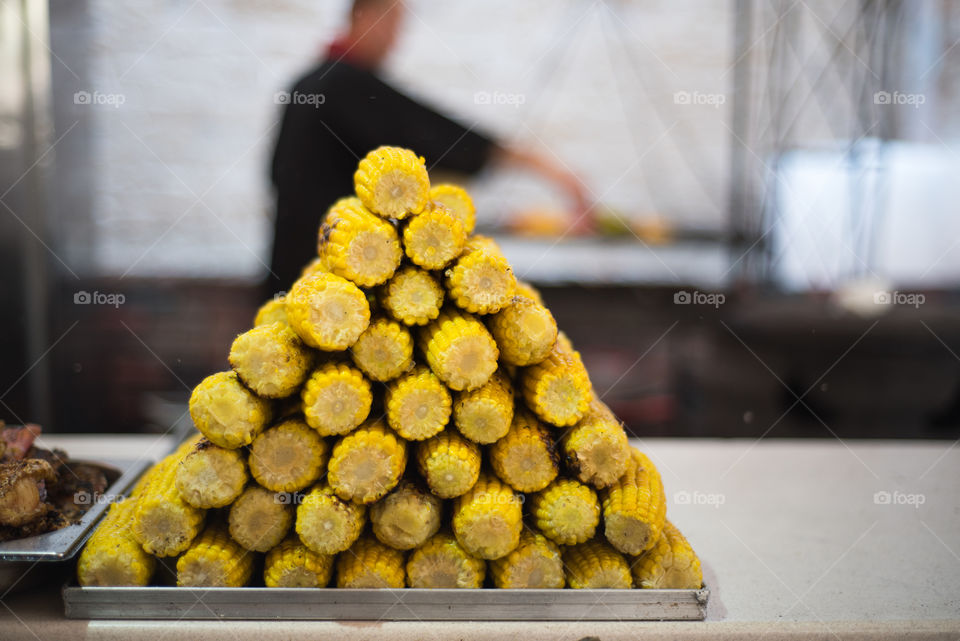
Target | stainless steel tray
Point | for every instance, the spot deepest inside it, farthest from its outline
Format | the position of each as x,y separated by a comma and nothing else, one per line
384,605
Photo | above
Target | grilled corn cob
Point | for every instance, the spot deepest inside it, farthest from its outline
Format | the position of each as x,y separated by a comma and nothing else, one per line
384,350
459,350
413,296
566,511
112,556
288,457
214,560
226,412
211,476
163,523
434,238
336,398
367,463
524,330
326,523
406,517
293,565
594,565
272,311
487,519
671,564
392,182
370,564
481,280
525,458
271,360
534,564
596,450
449,463
484,414
357,245
442,563
326,311
558,388
457,200
418,404
259,518
634,507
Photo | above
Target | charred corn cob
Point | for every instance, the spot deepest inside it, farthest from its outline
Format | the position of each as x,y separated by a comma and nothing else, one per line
384,350
413,296
326,311
418,404
293,565
442,563
272,311
434,238
406,517
392,182
524,330
481,280
211,476
634,507
487,519
288,457
457,200
484,414
271,360
336,398
370,564
357,245
594,565
259,518
567,512
226,412
163,523
558,388
367,463
112,556
449,463
526,458
326,523
459,350
534,564
596,450
214,560
671,564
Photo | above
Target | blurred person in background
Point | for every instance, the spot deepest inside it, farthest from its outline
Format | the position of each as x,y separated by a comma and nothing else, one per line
342,109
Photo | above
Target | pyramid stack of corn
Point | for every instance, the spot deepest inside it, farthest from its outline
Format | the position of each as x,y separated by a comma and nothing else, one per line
407,415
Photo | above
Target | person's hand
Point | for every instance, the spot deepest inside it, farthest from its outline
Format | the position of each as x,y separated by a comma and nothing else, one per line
582,206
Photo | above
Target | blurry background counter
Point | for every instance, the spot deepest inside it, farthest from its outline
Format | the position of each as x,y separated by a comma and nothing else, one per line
800,539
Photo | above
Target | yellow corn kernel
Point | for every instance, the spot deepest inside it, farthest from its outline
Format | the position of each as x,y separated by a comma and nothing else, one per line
484,414
226,412
595,565
326,311
413,296
557,389
392,182
535,564
406,517
525,331
318,264
434,238
418,404
370,564
457,200
326,523
459,350
259,518
596,450
210,476
214,560
449,463
442,563
272,311
567,512
163,523
526,458
293,565
367,463
487,519
671,564
384,350
635,507
288,457
526,289
112,556
481,280
271,360
357,245
336,398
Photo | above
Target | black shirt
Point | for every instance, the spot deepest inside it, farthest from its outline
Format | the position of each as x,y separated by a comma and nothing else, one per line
335,115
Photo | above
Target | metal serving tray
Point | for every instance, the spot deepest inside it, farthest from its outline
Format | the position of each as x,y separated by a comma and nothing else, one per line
409,604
